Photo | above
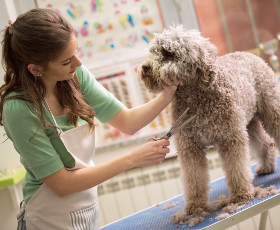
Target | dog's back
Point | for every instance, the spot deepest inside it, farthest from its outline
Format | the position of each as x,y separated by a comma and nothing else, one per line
245,78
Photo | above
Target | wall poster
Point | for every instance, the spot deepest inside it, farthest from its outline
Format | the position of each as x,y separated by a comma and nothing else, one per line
111,30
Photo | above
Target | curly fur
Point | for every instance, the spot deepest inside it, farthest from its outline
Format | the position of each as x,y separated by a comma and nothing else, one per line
236,99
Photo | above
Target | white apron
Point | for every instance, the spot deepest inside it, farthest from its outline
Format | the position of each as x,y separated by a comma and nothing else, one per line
78,211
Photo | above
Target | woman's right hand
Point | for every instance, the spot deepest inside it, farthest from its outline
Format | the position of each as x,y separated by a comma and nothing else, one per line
150,153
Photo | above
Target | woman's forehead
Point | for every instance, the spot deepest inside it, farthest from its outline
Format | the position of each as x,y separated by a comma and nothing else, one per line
69,51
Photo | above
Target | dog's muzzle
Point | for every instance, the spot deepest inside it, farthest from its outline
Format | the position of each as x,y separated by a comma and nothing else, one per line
146,68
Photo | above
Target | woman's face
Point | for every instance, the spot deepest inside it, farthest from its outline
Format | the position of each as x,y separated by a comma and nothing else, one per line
64,67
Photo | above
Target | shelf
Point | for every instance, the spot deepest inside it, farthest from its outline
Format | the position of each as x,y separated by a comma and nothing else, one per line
12,178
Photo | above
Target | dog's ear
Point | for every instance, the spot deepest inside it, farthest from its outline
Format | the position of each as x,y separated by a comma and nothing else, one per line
167,54
166,44
200,56
206,75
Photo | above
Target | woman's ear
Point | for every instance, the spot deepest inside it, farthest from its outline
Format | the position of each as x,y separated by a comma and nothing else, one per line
34,70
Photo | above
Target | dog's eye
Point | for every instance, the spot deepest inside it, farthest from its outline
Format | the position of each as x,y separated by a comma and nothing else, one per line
167,54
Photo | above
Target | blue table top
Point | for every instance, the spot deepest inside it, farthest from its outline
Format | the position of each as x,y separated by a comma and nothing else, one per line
158,218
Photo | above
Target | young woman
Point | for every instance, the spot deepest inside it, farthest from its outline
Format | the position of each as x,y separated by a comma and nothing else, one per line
47,105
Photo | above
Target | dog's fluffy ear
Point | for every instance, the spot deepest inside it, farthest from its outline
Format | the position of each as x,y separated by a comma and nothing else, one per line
200,57
167,54
205,74
167,44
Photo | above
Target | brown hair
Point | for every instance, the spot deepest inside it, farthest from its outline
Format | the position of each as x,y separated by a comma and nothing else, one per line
37,37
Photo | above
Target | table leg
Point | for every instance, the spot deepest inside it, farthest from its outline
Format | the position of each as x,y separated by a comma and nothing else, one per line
263,220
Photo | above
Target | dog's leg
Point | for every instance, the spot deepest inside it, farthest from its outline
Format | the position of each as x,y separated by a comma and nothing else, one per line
234,152
263,147
195,177
268,101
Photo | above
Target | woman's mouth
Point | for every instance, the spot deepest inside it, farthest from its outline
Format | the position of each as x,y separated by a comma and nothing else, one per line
73,71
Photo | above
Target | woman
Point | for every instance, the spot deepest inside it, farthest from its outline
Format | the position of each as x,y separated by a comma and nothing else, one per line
48,102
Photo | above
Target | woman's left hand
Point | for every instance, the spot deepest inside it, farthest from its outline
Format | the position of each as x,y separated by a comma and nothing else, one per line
170,89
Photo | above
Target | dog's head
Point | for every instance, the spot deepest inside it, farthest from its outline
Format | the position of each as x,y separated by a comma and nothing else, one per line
179,52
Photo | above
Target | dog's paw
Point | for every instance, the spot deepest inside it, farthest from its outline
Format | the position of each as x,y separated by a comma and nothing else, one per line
270,168
242,198
196,207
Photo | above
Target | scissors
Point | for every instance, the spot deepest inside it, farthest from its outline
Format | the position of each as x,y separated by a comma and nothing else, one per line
175,127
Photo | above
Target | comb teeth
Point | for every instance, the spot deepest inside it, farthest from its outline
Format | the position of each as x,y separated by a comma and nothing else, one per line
179,120
182,125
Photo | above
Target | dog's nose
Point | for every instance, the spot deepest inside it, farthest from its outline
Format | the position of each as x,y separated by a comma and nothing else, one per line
146,67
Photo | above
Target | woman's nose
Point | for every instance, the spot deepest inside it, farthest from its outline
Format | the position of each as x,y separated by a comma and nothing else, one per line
77,60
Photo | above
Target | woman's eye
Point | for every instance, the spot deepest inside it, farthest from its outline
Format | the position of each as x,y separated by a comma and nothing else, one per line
66,63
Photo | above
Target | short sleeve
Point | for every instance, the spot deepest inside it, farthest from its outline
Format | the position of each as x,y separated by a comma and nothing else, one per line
24,129
105,104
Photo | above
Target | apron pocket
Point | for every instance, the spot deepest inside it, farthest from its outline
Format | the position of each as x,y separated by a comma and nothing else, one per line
85,219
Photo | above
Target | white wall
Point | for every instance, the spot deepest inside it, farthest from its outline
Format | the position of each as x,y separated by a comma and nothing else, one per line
179,12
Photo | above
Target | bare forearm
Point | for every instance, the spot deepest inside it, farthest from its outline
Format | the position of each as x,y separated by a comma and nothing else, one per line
142,115
69,182
131,120
66,182
93,176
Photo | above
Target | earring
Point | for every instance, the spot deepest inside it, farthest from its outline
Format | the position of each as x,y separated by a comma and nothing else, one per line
39,75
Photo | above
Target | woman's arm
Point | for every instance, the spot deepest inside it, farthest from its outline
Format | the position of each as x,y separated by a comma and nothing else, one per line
66,182
131,120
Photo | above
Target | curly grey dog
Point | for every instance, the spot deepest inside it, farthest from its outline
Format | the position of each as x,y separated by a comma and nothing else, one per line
236,99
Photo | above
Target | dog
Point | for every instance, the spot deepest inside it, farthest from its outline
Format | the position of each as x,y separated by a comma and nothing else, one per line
236,100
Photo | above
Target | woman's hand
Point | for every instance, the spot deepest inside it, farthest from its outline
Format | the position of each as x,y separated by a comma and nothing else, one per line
149,153
169,90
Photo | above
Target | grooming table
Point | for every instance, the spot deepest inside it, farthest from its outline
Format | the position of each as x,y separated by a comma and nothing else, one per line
157,218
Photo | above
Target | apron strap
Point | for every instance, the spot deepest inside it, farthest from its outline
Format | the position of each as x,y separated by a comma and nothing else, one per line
20,216
59,130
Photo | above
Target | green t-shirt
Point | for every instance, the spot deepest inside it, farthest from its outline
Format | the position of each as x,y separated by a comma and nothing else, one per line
35,143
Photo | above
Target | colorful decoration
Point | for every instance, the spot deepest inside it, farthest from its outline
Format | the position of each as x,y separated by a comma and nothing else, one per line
80,52
146,19
101,28
109,45
74,11
84,30
86,50
147,36
130,41
114,27
126,19
97,6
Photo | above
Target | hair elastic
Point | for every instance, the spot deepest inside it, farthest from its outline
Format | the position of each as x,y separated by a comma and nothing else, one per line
10,28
